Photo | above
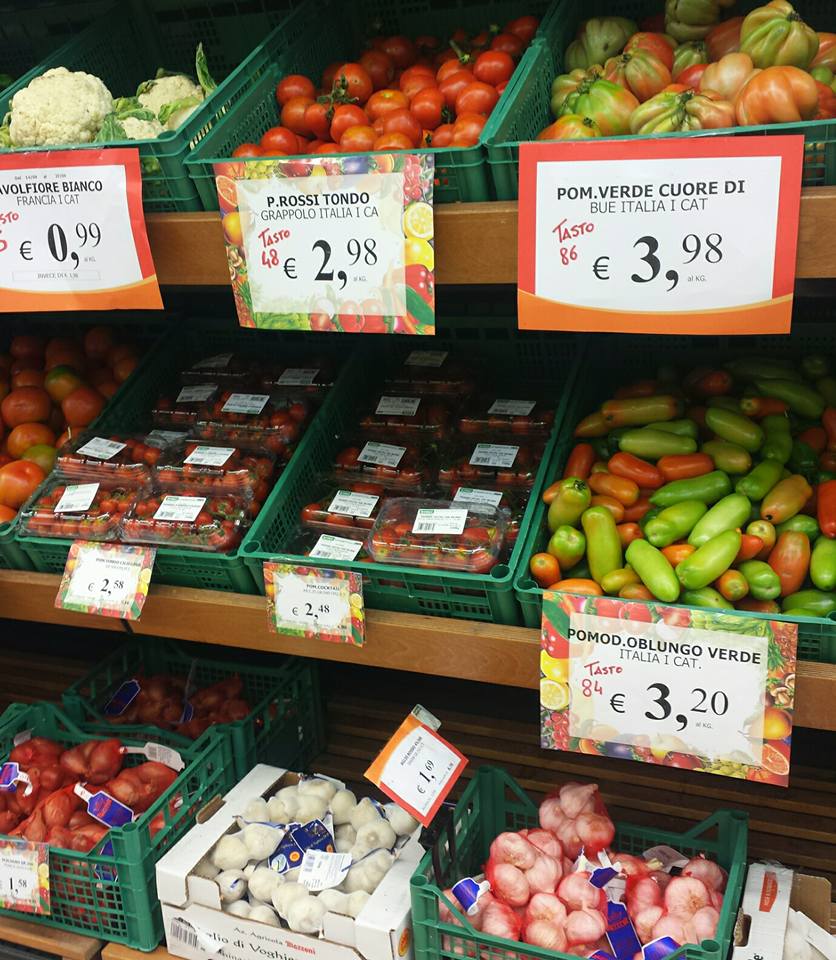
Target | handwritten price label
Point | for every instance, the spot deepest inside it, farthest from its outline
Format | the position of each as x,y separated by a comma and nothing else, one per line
690,236
106,579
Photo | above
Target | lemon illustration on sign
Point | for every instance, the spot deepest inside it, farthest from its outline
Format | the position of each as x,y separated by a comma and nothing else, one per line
553,668
554,695
420,252
418,221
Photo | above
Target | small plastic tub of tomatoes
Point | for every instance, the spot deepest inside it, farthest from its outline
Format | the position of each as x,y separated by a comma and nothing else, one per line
179,408
438,534
350,506
78,511
504,464
392,464
212,467
122,457
432,372
348,545
314,375
513,502
227,369
393,414
214,524
518,416
275,423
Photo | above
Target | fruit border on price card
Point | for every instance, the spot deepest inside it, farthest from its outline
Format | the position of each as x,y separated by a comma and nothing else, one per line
285,585
341,244
701,690
83,588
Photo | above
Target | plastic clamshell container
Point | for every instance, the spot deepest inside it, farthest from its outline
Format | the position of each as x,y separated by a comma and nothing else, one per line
90,510
513,502
491,461
438,534
432,372
348,544
311,375
221,368
178,409
396,414
390,460
213,524
518,416
212,467
128,458
492,803
347,507
255,419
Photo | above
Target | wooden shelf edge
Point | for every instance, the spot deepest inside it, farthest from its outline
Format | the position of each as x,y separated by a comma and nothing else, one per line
59,943
476,243
461,649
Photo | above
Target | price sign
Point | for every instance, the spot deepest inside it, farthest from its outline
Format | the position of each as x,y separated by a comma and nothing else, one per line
689,236
108,579
417,768
315,603
24,876
329,244
704,690
72,232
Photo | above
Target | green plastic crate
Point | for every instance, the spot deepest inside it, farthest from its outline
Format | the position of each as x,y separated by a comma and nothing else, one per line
181,567
285,726
615,359
461,174
128,43
543,362
110,893
492,803
525,109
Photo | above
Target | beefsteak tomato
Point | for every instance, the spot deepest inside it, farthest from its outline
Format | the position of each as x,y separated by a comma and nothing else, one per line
599,38
724,39
570,127
640,72
775,36
607,104
728,76
673,111
777,95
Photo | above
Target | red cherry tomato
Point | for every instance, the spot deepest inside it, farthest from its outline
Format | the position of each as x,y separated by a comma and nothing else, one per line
346,115
493,67
453,84
401,50
476,97
293,85
293,115
378,65
523,27
279,139
247,150
352,80
402,121
358,139
509,43
385,101
428,107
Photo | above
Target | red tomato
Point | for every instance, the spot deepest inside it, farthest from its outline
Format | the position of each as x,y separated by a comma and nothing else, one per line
353,81
385,101
329,73
453,84
26,405
428,107
294,85
493,67
393,141
82,406
329,148
27,435
467,129
443,135
401,50
691,76
293,115
28,378
500,87
358,139
279,140
451,66
378,65
27,348
402,121
18,481
509,43
97,342
318,122
654,43
416,83
347,115
523,27
476,97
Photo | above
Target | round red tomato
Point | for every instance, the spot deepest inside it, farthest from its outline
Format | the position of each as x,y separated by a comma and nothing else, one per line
293,115
27,435
453,84
279,140
451,66
294,85
329,73
416,83
493,67
467,129
82,406
476,97
443,135
393,141
318,122
247,150
428,107
508,43
402,121
378,65
25,348
28,378
25,405
358,139
523,27
98,341
352,81
401,50
346,115
18,481
385,101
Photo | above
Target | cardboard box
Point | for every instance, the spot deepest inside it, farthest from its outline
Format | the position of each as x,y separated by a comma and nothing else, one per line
382,931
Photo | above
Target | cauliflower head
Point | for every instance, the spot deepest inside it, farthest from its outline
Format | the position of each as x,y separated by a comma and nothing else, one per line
159,93
59,107
136,129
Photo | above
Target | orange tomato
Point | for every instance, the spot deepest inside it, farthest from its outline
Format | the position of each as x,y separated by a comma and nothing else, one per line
588,588
119,352
677,552
628,532
18,481
615,507
82,406
7,514
635,591
28,378
777,95
728,76
61,381
25,405
27,435
571,127
544,569
624,490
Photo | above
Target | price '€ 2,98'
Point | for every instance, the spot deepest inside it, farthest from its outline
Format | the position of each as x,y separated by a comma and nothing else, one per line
325,265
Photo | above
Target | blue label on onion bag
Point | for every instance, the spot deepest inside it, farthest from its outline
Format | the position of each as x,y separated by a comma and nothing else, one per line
122,699
188,712
602,876
620,932
109,811
106,873
467,891
9,774
312,836
661,948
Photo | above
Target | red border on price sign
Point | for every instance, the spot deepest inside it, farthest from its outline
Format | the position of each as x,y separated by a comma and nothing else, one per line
142,295
771,316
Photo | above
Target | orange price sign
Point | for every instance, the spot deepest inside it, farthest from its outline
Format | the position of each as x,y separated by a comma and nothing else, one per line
72,232
673,236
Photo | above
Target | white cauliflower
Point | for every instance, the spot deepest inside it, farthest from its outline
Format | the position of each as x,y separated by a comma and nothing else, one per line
136,129
157,94
59,107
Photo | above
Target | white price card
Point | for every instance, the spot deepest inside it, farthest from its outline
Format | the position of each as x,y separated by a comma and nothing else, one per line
448,520
705,690
329,547
197,394
209,456
426,358
101,449
686,236
109,579
183,509
417,768
494,455
512,408
298,377
252,403
490,498
398,406
314,602
24,876
322,870
382,454
350,504
72,232
76,498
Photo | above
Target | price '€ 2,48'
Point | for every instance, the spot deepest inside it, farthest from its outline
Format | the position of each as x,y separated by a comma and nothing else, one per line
329,268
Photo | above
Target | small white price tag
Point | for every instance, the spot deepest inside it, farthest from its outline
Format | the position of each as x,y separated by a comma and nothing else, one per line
159,753
24,876
197,394
246,403
494,455
382,454
297,377
512,408
426,358
398,406
106,578
491,498
350,504
101,449
335,548
322,870
209,456
218,362
440,521
76,498
180,508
